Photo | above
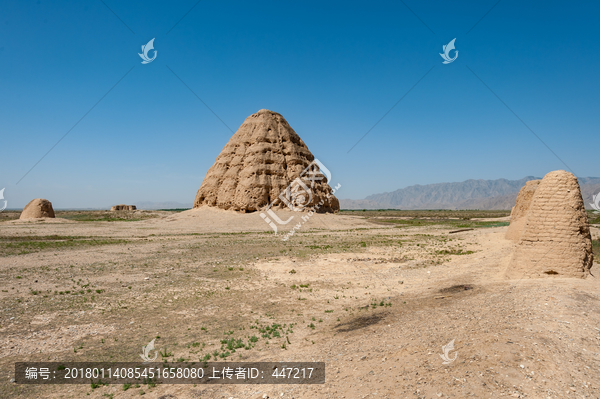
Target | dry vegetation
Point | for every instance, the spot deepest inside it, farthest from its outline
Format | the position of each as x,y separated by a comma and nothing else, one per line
376,303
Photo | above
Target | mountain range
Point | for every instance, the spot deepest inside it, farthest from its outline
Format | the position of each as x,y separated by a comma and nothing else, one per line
480,194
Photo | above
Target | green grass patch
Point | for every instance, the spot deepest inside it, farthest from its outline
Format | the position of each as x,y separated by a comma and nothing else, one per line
435,213
454,252
449,223
318,246
107,216
28,244
103,218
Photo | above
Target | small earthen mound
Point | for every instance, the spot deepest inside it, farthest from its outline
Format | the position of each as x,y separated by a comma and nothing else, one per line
556,239
258,164
519,211
123,208
37,208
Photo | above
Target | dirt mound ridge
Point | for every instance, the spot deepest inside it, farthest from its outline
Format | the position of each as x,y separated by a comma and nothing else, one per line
256,166
519,211
123,208
37,208
556,237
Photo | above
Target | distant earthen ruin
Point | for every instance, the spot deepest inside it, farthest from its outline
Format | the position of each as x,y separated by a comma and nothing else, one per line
123,208
259,163
37,208
556,237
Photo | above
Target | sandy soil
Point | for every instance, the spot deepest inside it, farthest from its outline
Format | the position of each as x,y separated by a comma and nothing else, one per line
117,285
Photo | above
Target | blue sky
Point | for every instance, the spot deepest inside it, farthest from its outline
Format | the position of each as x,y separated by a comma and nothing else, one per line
332,69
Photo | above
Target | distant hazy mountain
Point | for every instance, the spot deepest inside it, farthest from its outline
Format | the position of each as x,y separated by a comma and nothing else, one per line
161,205
470,194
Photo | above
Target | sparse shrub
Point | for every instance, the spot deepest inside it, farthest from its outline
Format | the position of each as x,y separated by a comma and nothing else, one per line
165,353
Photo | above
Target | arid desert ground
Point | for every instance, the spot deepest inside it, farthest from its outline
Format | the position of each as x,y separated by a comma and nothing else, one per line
373,294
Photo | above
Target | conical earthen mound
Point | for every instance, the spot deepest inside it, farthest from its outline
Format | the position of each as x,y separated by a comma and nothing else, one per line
256,166
556,238
37,208
519,211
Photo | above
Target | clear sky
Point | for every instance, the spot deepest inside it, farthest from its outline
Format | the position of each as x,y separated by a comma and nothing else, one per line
331,68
